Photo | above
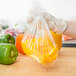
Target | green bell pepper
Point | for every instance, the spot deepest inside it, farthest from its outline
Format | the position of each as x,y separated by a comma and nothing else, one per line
8,53
7,38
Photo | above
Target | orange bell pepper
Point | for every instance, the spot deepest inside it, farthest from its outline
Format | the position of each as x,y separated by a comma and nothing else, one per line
18,43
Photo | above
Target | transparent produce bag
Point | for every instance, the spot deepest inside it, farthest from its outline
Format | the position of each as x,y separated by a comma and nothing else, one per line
39,43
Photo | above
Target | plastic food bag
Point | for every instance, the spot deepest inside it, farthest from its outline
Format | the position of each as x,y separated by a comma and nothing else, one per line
39,43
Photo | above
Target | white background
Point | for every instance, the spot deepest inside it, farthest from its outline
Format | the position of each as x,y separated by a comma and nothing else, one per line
18,9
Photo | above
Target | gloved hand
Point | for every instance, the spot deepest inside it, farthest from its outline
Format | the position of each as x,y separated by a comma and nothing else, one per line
57,25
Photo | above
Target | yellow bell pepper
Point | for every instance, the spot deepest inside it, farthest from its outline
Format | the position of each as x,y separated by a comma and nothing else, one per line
42,49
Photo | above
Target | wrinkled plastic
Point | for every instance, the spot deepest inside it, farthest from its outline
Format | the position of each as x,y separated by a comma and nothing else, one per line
39,43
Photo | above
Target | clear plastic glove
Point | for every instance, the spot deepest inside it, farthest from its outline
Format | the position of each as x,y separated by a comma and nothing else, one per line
57,25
